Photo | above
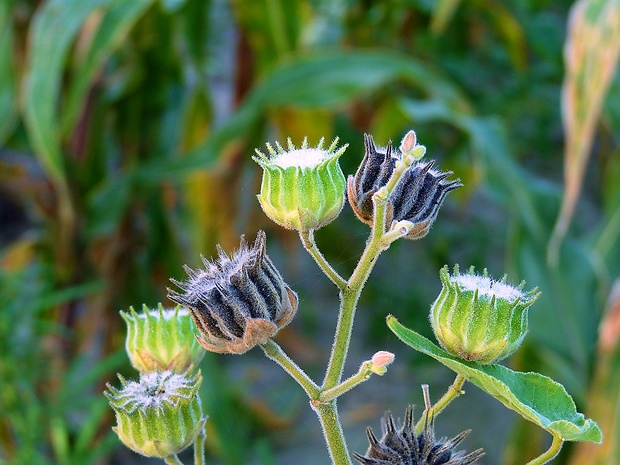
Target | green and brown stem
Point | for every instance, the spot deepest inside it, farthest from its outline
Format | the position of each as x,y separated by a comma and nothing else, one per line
550,453
452,393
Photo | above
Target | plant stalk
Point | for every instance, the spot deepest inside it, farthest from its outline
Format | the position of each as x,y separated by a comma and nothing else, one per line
307,239
362,375
550,454
332,432
452,393
173,460
350,292
350,295
275,353
199,447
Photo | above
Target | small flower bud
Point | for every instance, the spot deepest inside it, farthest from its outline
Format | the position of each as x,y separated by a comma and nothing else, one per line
409,147
237,302
382,358
303,188
416,197
380,361
404,447
161,340
478,319
158,416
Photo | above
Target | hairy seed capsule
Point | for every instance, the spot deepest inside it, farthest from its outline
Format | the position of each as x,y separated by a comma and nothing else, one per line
237,302
404,447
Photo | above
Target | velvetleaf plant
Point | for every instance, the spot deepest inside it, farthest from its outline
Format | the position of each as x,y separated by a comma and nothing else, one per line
241,301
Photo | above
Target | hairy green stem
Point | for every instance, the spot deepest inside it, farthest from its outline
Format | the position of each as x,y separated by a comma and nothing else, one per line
550,454
348,303
199,447
307,239
173,460
275,353
452,393
351,294
332,431
362,375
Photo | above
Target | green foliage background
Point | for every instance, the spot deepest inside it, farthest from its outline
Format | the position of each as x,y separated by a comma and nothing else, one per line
126,131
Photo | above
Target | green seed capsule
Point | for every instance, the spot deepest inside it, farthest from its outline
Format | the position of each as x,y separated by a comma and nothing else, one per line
158,416
161,339
302,189
478,319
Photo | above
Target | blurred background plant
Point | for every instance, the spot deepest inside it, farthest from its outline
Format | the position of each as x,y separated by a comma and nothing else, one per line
126,131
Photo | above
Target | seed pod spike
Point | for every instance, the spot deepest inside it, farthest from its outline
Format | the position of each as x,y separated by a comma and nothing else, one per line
404,447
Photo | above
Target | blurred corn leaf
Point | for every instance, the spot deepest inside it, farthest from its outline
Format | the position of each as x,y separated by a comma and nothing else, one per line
60,20
103,33
317,80
8,101
273,28
333,78
591,54
604,392
442,14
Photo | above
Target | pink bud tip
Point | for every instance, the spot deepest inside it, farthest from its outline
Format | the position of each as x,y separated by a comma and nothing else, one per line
408,142
382,358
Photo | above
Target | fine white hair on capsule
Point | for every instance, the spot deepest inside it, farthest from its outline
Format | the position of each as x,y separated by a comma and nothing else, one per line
487,286
155,389
302,158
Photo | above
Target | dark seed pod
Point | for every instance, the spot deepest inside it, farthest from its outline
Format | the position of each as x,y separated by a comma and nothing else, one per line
404,447
373,173
416,198
237,302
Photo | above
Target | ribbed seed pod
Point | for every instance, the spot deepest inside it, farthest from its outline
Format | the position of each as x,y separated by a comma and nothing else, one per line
302,188
373,173
161,339
404,447
237,302
478,319
416,198
158,416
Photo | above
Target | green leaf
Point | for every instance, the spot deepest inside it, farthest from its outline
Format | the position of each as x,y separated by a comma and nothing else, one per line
535,397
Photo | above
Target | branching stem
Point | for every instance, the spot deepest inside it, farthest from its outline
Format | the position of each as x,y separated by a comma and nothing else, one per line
307,239
275,353
323,399
362,375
